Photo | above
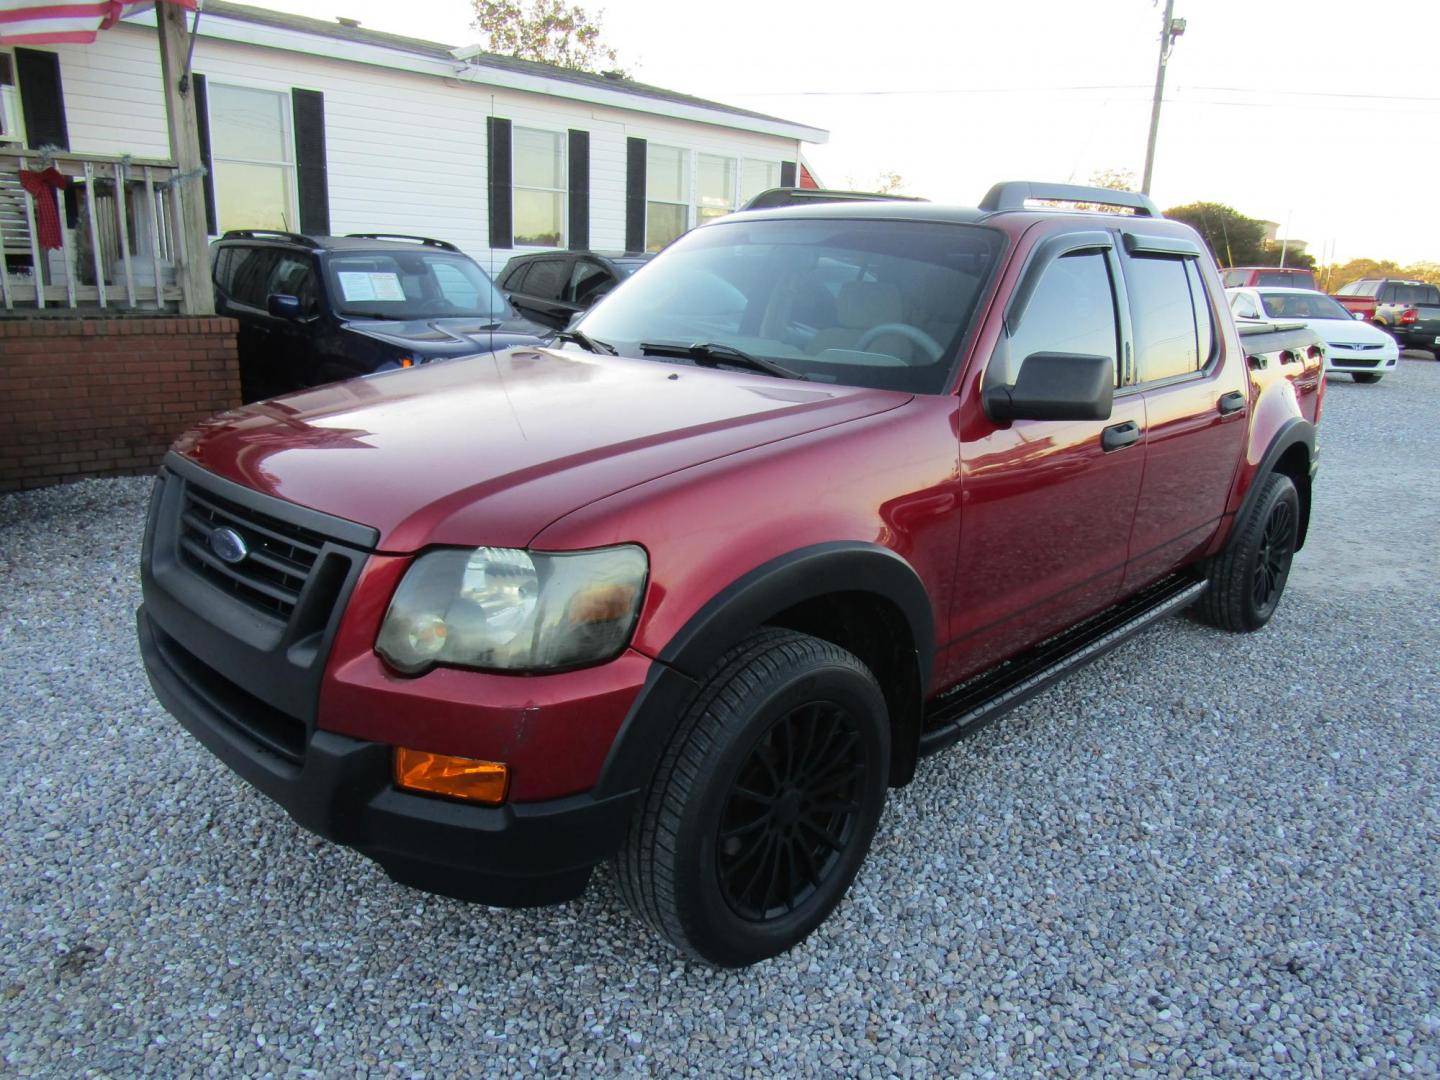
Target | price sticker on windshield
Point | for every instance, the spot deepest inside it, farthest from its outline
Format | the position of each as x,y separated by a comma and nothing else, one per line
363,285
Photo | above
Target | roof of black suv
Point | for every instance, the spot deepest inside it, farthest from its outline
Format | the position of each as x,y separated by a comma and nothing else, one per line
352,242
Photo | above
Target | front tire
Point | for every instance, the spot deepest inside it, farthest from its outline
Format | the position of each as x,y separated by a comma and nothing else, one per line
1366,378
1248,577
765,802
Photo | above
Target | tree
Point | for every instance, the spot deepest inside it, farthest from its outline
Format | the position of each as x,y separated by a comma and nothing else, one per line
886,182
547,31
1113,179
1235,239
1334,276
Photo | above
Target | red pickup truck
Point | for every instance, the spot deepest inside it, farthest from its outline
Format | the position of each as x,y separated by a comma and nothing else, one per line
810,496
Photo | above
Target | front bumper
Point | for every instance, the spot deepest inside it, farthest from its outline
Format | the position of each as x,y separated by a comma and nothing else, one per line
1376,361
340,788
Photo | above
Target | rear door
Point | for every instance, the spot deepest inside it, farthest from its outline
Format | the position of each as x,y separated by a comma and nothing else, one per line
1195,403
243,274
1047,503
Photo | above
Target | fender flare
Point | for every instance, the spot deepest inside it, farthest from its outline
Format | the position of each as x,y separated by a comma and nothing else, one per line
742,606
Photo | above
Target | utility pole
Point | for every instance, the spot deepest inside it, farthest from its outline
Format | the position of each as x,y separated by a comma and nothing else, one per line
1171,29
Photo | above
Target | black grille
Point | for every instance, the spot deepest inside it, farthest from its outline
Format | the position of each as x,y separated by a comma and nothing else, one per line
281,555
1356,361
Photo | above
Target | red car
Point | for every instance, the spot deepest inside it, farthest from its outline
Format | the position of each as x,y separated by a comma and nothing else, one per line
817,492
1246,277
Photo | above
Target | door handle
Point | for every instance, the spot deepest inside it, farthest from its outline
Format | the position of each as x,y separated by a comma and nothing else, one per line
1119,436
1230,403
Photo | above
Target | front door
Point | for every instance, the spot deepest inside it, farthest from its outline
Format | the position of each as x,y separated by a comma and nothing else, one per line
1047,503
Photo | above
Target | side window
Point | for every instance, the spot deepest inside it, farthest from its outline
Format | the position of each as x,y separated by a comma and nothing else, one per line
250,275
1244,308
1164,317
1347,290
1071,311
513,279
546,279
588,282
1387,294
1233,278
221,269
1204,322
294,275
1367,288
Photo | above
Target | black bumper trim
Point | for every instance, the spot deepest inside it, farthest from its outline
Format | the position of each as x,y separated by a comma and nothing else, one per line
510,856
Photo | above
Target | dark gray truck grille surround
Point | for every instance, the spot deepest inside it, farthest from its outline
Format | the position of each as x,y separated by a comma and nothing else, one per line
248,637
280,555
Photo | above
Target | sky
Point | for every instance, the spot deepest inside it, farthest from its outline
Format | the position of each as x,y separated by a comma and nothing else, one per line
1319,115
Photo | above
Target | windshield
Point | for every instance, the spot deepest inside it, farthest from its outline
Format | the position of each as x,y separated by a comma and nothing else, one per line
412,285
1300,305
881,304
1293,279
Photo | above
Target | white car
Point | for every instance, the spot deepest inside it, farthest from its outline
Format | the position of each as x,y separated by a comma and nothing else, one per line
1352,344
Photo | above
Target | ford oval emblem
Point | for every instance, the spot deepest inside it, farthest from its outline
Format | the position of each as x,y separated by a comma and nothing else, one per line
229,545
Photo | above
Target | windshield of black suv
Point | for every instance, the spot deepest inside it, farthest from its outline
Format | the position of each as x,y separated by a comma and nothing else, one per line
412,285
1299,305
882,304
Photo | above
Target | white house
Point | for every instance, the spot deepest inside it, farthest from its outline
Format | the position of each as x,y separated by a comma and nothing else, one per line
328,127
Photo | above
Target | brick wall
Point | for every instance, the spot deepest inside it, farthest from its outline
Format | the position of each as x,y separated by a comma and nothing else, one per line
106,396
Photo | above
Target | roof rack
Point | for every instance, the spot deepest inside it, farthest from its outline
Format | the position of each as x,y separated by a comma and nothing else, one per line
267,234
1013,194
443,245
796,196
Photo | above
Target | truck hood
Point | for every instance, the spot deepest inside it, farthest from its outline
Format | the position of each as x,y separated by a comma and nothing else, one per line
488,450
451,337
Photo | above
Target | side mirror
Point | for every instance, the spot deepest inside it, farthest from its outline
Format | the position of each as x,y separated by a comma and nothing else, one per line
283,306
1055,386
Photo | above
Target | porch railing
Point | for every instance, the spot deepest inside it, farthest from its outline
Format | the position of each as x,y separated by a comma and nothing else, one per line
120,235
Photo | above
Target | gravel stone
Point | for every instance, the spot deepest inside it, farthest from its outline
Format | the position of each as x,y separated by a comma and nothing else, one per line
1206,854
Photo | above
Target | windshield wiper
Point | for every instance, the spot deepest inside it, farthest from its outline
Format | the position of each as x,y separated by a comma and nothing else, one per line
586,342
713,354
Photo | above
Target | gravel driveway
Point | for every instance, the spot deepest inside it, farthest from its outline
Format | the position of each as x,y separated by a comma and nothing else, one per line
1205,853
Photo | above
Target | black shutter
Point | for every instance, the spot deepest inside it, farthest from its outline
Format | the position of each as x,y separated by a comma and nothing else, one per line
502,221
787,174
579,190
310,172
42,99
635,195
202,124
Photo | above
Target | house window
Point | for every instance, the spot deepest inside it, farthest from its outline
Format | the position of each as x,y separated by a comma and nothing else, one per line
539,187
667,193
714,188
254,158
758,176
11,128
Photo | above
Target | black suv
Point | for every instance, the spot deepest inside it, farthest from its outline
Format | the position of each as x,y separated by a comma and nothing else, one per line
553,287
317,309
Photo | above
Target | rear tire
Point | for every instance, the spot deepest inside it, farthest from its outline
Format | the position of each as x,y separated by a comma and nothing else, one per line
1248,577
1366,378
765,802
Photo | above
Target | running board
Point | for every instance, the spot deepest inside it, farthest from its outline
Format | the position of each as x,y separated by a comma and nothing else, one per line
975,702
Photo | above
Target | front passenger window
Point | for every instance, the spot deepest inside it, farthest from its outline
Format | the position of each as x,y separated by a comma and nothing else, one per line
1071,311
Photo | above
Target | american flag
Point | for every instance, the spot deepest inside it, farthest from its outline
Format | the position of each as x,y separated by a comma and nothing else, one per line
55,22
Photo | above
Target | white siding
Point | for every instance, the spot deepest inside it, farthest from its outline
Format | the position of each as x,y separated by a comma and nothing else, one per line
405,152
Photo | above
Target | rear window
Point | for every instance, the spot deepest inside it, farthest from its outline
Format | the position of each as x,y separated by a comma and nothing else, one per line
1289,279
1417,294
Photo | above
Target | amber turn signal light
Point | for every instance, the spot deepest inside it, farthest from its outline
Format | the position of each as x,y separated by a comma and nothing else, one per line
456,777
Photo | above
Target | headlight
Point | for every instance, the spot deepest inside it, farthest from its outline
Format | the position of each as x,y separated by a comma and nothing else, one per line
510,610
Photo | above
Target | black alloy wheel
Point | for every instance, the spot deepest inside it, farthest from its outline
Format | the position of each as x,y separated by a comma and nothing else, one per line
1272,561
764,803
792,810
1248,577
